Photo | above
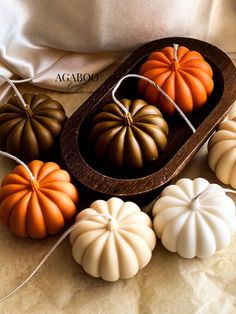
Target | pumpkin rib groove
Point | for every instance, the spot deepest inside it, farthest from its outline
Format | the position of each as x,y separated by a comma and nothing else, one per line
11,188
203,221
113,109
46,169
47,102
17,204
116,137
143,137
35,100
155,78
12,208
40,197
225,153
125,217
127,236
159,54
33,207
177,88
55,115
132,146
177,235
54,172
156,139
10,107
92,243
121,238
12,143
11,127
206,213
39,131
220,221
178,215
37,103
102,252
174,218
57,201
193,77
144,85
16,220
52,126
29,142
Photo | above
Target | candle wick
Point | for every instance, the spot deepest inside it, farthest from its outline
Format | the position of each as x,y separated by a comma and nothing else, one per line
25,106
176,47
128,119
32,178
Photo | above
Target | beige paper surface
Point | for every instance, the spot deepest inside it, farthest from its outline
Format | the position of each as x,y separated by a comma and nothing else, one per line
169,284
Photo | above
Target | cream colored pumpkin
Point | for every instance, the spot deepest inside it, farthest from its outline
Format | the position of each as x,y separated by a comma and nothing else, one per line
194,218
222,153
116,245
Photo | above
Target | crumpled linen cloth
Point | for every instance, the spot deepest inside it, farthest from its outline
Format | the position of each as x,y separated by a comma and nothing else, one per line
44,38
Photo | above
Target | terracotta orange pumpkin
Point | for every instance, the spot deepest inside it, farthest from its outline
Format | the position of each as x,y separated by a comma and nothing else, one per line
187,79
37,208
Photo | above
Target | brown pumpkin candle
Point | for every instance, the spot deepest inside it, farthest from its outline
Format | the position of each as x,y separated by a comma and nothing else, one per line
183,74
29,131
128,140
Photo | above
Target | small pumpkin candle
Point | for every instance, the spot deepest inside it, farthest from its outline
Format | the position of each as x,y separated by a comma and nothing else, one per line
37,200
113,240
183,74
128,141
194,218
30,125
222,152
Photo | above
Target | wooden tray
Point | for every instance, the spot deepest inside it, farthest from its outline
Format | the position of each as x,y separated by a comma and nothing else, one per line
182,144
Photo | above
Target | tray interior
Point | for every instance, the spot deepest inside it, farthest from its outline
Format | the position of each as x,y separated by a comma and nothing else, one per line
179,131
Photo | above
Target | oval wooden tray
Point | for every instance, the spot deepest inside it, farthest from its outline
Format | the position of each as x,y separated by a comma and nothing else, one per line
182,144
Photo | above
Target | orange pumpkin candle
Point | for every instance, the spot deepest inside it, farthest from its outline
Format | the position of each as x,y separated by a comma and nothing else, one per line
39,204
183,74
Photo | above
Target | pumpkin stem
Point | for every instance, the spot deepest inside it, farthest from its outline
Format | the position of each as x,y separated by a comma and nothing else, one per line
128,119
34,184
28,111
195,204
112,225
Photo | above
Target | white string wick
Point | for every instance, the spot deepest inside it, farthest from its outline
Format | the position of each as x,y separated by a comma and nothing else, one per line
176,47
58,242
15,89
159,89
32,178
206,190
229,191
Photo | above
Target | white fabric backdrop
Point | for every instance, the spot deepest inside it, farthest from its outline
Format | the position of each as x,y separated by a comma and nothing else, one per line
71,36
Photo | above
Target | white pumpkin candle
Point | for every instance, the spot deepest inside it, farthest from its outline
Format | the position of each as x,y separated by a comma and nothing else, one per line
115,245
222,153
194,218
